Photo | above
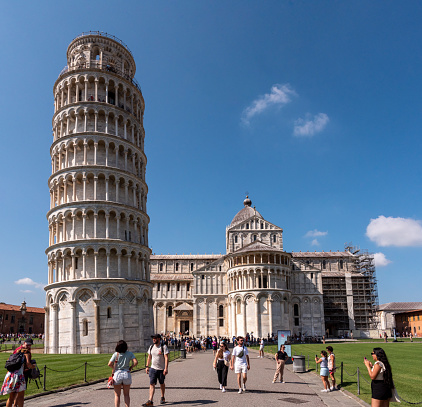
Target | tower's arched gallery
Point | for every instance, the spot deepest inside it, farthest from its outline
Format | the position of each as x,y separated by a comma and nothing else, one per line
103,282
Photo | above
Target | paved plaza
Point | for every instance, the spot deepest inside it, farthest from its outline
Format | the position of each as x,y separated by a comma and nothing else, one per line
193,382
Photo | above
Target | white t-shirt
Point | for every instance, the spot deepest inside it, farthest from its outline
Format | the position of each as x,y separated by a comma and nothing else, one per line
240,350
226,355
262,343
158,362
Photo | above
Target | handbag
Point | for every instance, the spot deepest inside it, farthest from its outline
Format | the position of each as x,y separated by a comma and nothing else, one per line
110,381
394,396
226,362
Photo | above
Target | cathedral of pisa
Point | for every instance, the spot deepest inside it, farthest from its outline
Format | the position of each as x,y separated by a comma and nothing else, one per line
103,282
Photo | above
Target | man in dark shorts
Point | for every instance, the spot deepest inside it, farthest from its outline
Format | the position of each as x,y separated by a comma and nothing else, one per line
159,360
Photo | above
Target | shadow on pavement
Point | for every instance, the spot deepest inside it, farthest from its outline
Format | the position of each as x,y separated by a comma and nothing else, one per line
71,404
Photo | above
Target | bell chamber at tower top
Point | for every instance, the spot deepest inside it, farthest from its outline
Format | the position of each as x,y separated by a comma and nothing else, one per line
99,50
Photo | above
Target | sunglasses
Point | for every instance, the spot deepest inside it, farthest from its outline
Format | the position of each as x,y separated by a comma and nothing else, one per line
372,353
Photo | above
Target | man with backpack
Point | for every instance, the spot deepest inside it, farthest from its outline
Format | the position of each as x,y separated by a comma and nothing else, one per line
240,363
159,360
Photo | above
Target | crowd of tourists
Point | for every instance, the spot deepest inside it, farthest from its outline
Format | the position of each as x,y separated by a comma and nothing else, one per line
20,366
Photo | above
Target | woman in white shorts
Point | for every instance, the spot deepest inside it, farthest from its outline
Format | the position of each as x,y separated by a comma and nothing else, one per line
121,364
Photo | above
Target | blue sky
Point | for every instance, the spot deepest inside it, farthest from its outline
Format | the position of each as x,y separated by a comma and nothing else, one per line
314,108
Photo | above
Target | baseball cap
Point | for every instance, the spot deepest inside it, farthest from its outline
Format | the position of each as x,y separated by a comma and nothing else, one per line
156,336
29,341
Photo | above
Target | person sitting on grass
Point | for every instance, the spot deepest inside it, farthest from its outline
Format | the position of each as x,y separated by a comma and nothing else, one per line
324,370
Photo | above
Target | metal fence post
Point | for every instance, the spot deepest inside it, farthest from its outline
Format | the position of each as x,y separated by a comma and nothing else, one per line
85,372
341,375
308,361
145,359
45,378
358,382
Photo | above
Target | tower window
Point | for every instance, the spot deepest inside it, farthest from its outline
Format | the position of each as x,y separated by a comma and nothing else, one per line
262,226
221,311
109,312
178,286
247,226
168,286
158,286
85,327
170,311
254,238
235,239
188,287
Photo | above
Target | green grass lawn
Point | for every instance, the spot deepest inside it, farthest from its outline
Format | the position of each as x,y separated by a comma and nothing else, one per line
404,357
66,370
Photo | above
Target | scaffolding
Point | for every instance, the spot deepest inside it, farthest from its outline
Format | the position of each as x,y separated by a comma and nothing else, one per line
364,286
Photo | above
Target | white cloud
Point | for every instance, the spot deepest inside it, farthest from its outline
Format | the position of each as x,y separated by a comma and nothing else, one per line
315,242
389,231
381,260
310,126
279,95
29,281
315,233
26,291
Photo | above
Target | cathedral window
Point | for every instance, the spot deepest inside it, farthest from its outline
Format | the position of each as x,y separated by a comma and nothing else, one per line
274,238
168,286
188,287
170,311
177,266
109,312
203,276
324,264
191,267
235,239
262,226
296,314
178,286
341,264
247,226
161,266
158,286
254,238
312,276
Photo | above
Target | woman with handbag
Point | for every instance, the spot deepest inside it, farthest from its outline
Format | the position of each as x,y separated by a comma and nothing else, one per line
122,362
221,363
382,385
15,382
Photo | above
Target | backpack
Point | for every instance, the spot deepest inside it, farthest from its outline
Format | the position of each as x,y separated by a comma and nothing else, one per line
15,362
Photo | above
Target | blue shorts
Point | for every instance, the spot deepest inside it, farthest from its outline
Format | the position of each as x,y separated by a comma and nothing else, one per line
324,371
156,374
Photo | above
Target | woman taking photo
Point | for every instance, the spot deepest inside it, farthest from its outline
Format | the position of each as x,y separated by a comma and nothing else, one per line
221,363
324,370
382,378
122,362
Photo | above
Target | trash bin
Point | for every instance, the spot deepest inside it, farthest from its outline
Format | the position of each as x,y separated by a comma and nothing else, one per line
183,353
299,365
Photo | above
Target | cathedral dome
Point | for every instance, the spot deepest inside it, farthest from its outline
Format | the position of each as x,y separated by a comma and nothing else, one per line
245,213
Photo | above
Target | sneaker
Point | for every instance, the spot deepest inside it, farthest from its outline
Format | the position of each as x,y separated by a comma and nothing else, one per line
240,391
283,381
324,391
273,381
163,400
244,387
224,390
221,387
332,388
148,403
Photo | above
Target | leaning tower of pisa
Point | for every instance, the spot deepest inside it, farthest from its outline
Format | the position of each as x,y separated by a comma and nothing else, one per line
99,288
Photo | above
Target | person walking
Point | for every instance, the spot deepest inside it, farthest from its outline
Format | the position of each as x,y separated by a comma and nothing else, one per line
221,363
324,370
122,362
261,348
332,366
240,363
382,385
280,357
14,382
159,360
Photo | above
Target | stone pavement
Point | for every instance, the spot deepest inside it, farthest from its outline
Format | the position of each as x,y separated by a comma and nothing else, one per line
193,382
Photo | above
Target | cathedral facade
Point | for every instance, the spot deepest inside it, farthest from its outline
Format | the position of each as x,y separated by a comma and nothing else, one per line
259,288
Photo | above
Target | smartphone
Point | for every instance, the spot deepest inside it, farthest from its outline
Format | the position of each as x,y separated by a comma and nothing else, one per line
316,356
365,358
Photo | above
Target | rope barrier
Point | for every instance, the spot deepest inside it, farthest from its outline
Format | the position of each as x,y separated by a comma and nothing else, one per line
64,371
351,375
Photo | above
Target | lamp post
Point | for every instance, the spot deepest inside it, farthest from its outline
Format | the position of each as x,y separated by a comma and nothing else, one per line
23,311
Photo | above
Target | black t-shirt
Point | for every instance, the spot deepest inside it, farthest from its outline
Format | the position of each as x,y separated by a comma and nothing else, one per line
282,355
